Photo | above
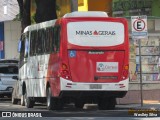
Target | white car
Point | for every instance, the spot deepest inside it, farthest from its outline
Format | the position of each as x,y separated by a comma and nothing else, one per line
8,71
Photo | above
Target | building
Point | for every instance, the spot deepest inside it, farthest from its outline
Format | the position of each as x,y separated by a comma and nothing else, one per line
8,10
10,32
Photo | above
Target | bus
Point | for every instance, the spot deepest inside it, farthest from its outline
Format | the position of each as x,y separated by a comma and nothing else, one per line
80,58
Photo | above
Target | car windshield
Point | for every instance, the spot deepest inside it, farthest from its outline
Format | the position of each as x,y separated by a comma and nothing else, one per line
9,70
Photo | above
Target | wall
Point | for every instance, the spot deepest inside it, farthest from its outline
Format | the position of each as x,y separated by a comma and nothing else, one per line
12,33
82,5
1,40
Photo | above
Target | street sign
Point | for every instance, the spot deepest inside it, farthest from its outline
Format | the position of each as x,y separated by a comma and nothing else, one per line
139,26
139,30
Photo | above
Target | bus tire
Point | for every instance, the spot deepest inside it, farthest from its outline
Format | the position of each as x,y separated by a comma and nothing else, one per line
9,96
53,103
1,96
103,104
29,102
14,100
79,104
22,101
112,103
50,100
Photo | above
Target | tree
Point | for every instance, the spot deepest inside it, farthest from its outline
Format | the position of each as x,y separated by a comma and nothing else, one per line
46,10
24,6
74,5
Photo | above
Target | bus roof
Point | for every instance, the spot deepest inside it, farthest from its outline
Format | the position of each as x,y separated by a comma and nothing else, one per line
40,25
86,14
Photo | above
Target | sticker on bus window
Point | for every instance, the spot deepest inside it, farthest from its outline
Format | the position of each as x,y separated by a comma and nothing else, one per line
72,53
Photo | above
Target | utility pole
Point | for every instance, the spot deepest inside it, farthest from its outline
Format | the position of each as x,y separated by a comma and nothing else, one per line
74,5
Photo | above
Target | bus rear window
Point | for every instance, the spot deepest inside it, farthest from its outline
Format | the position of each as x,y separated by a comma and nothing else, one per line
95,33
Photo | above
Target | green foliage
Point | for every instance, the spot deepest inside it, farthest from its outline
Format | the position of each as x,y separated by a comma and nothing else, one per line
33,19
17,18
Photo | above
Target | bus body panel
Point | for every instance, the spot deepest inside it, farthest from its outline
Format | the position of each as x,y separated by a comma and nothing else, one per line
53,74
42,70
68,85
85,57
82,63
96,66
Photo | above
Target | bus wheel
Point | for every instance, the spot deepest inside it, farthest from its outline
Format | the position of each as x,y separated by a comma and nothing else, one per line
50,100
9,96
14,101
79,104
22,100
29,102
53,103
1,96
103,104
112,103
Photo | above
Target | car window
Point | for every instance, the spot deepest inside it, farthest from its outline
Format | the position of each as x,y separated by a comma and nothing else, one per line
9,61
9,70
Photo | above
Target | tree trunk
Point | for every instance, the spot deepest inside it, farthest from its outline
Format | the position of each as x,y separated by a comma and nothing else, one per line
20,2
74,5
24,6
46,10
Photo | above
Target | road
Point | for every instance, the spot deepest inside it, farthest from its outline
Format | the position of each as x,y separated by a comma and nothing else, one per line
90,111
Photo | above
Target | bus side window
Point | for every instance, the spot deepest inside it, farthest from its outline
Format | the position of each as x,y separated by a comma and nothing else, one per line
39,42
26,42
47,41
50,40
57,38
33,43
43,40
22,49
54,34
51,49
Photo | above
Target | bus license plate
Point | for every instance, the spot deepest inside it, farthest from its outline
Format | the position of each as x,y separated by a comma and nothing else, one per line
95,86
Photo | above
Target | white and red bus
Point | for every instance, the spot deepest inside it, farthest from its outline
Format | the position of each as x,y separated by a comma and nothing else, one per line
81,58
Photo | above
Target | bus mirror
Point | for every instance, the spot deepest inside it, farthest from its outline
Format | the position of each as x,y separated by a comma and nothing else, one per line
19,45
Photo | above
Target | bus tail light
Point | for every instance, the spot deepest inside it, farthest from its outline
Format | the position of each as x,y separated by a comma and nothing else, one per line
65,71
125,72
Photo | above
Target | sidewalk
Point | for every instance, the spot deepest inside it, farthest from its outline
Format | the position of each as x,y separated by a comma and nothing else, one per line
153,106
147,106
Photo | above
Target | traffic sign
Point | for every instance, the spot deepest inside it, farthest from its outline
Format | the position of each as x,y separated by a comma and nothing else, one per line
139,26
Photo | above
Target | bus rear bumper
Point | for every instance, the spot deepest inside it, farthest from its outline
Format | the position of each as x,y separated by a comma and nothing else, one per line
67,85
92,94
